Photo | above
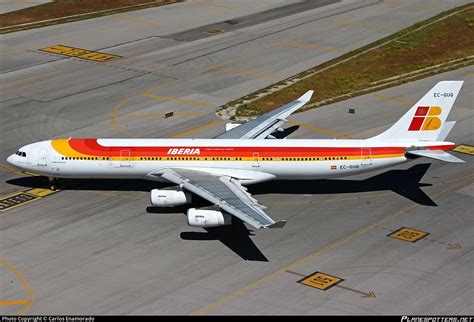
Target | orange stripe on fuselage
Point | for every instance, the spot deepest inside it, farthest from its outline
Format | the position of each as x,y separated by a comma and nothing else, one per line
63,147
90,147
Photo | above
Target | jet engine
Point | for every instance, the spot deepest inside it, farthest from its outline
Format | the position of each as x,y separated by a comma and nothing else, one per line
169,197
207,218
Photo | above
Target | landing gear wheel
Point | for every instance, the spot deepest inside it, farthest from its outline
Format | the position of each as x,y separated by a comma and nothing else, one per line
53,183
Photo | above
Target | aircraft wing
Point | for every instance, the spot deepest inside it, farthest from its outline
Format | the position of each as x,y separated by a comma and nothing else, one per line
225,192
263,126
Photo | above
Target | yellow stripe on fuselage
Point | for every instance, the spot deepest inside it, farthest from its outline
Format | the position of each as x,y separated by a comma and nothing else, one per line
263,159
63,147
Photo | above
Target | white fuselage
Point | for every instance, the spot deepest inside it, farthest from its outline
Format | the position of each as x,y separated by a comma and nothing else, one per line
251,161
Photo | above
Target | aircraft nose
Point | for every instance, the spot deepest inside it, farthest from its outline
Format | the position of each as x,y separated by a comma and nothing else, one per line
10,160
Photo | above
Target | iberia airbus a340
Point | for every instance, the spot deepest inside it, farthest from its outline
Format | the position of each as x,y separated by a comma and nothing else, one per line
218,169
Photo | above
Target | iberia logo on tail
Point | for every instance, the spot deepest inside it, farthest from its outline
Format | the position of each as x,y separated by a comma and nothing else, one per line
426,119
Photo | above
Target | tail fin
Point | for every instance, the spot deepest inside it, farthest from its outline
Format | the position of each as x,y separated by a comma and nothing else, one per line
426,120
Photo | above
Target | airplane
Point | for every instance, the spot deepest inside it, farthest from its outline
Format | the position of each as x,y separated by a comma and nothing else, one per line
218,169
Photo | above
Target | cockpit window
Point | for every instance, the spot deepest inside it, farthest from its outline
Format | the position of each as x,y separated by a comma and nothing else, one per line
20,153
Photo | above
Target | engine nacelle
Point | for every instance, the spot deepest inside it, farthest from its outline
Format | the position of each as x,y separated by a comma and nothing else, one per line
169,197
230,126
207,218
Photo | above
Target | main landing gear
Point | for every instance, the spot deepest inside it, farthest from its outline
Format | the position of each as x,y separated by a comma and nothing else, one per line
53,183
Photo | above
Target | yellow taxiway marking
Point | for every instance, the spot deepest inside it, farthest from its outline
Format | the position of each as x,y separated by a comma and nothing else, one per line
80,53
41,192
23,197
317,129
114,117
403,101
199,128
290,43
30,296
321,281
319,252
14,302
214,31
113,113
408,234
212,4
145,22
463,148
454,246
246,72
245,56
16,200
31,174
179,100
7,169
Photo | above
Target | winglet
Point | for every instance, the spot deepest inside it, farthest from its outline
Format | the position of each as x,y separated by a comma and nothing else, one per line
278,224
306,97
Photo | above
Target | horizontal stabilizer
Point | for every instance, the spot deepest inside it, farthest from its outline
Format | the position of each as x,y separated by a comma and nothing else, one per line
435,154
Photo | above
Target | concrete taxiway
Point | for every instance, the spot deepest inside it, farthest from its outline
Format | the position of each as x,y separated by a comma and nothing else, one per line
95,247
13,5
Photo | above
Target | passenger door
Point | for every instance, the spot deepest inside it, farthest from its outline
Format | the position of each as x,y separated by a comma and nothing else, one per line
255,157
366,156
125,159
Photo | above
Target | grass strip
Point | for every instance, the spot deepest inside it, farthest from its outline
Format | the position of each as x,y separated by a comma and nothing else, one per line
432,46
61,11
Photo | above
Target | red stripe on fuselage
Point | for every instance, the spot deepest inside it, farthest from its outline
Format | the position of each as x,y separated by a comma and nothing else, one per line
93,148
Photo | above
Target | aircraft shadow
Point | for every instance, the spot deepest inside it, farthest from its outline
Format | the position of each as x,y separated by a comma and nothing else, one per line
236,236
403,182
90,184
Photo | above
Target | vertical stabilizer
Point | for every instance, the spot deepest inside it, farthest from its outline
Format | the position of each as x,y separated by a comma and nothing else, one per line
426,119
